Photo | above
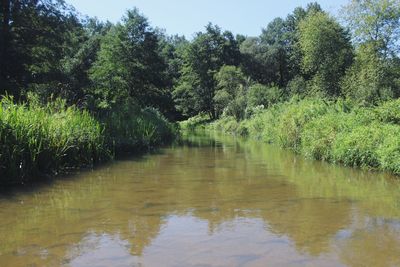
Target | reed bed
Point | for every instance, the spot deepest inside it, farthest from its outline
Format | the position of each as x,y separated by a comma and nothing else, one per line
37,141
334,131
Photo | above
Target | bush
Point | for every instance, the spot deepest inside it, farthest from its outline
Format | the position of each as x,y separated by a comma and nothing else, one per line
293,118
261,95
193,123
297,86
389,112
389,151
319,135
128,128
359,146
237,108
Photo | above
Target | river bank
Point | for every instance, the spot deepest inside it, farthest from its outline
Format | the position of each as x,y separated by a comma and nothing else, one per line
38,141
336,132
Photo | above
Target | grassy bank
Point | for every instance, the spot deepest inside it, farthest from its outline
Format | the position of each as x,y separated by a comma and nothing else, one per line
39,140
337,132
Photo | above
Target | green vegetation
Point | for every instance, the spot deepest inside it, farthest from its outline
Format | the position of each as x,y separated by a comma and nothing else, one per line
38,140
324,89
339,132
308,54
112,85
129,76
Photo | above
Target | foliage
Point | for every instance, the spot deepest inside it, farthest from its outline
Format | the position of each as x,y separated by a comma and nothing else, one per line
364,81
35,38
194,122
340,131
37,140
376,23
230,96
327,52
358,147
129,65
320,134
261,95
203,58
297,86
128,128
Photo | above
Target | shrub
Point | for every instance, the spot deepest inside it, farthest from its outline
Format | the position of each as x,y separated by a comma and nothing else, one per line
297,86
389,151
319,135
293,118
195,122
128,128
237,107
389,112
259,94
359,146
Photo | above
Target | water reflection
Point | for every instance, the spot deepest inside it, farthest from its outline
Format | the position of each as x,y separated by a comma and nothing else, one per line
208,201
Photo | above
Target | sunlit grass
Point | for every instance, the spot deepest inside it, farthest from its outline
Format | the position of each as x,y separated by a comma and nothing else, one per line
338,131
37,140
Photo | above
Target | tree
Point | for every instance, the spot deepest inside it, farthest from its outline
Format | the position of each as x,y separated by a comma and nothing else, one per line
253,62
293,49
375,22
4,41
36,35
369,80
275,56
327,52
231,83
262,95
203,58
129,64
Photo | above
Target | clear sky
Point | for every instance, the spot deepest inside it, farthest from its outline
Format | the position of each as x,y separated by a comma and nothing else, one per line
185,17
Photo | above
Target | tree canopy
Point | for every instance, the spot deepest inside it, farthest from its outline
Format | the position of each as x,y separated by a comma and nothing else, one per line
48,49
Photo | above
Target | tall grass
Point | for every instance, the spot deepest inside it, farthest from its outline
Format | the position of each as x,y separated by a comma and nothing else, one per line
130,128
36,140
337,132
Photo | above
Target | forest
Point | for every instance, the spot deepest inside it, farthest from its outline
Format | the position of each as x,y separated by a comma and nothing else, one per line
77,91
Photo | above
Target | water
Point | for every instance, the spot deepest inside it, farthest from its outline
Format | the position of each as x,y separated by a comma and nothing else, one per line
212,201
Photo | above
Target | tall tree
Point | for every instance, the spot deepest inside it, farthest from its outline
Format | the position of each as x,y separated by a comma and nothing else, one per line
4,41
203,58
130,65
376,22
327,52
275,56
293,49
367,80
36,36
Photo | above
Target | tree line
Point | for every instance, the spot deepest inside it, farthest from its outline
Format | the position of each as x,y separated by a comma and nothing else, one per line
49,50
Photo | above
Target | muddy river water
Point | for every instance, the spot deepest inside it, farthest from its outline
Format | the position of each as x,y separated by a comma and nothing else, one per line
207,201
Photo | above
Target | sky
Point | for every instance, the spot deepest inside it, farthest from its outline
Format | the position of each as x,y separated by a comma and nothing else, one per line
185,17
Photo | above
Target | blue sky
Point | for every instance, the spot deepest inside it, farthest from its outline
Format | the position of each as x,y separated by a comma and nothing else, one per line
186,17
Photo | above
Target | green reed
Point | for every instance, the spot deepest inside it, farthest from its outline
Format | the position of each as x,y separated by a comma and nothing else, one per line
36,140
337,132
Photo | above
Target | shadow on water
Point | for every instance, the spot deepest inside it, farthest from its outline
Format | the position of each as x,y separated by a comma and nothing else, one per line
11,190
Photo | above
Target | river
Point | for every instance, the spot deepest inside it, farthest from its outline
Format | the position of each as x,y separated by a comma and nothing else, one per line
208,201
